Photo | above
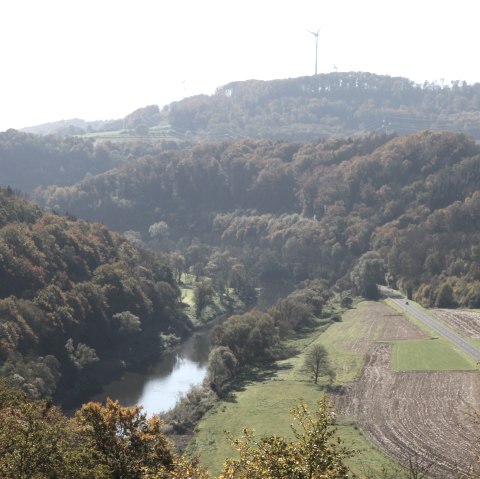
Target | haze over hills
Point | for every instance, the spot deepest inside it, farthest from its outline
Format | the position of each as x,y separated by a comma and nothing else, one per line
304,108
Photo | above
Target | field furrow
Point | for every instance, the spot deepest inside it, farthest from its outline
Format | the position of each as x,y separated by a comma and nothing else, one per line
465,323
416,415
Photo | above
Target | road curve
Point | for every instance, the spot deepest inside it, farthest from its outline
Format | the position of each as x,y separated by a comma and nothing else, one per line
432,323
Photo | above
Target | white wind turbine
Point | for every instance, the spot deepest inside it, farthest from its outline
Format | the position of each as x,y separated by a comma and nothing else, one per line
315,34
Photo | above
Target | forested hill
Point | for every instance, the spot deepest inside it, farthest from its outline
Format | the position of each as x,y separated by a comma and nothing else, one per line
78,303
334,104
292,211
301,109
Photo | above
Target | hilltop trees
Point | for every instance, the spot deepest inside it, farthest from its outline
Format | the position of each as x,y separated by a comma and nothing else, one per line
326,105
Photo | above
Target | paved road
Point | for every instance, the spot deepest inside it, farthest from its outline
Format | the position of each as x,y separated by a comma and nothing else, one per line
433,323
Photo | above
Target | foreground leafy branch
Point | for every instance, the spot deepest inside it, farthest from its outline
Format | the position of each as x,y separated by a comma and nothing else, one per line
314,454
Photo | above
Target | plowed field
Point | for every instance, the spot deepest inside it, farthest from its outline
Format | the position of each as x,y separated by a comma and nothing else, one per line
465,323
414,415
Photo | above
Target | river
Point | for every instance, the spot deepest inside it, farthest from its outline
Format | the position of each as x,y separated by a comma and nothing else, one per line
159,388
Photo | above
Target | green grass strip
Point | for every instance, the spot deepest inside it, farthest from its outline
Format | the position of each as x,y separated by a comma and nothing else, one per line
428,355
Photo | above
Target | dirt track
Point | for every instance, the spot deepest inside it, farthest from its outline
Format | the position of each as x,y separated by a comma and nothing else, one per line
414,414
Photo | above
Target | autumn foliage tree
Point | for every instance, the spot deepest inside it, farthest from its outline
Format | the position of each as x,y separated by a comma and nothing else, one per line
74,294
37,441
127,442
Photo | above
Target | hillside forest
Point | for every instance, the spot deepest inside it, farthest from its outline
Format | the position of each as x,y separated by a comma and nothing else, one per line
296,211
78,302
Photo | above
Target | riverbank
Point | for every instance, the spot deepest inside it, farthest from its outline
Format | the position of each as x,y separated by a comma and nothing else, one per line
158,385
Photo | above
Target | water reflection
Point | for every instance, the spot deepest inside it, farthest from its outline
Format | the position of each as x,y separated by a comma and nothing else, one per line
159,388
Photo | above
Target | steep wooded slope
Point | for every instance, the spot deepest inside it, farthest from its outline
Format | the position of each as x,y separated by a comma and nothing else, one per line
307,209
77,301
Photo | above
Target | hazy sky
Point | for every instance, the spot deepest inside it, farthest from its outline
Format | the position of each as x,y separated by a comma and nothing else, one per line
102,59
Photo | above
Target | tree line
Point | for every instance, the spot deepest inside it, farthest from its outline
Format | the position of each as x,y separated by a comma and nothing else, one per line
326,105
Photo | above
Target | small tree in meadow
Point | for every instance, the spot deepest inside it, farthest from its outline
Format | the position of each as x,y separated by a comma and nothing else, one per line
316,363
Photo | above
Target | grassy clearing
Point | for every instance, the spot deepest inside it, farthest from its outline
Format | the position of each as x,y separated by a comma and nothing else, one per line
428,355
261,406
264,405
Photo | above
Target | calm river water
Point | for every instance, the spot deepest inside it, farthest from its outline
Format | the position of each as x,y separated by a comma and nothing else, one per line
158,389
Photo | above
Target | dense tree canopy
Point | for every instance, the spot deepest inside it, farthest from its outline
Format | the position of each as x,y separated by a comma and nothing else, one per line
76,301
325,105
290,211
29,161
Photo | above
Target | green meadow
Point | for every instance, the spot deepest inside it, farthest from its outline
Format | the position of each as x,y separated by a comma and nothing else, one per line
264,404
263,400
429,355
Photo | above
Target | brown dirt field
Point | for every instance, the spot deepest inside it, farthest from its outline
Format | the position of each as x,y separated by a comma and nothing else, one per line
415,415
396,327
465,323
381,323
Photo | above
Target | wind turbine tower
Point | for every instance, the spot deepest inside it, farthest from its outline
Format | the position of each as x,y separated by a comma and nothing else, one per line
315,34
